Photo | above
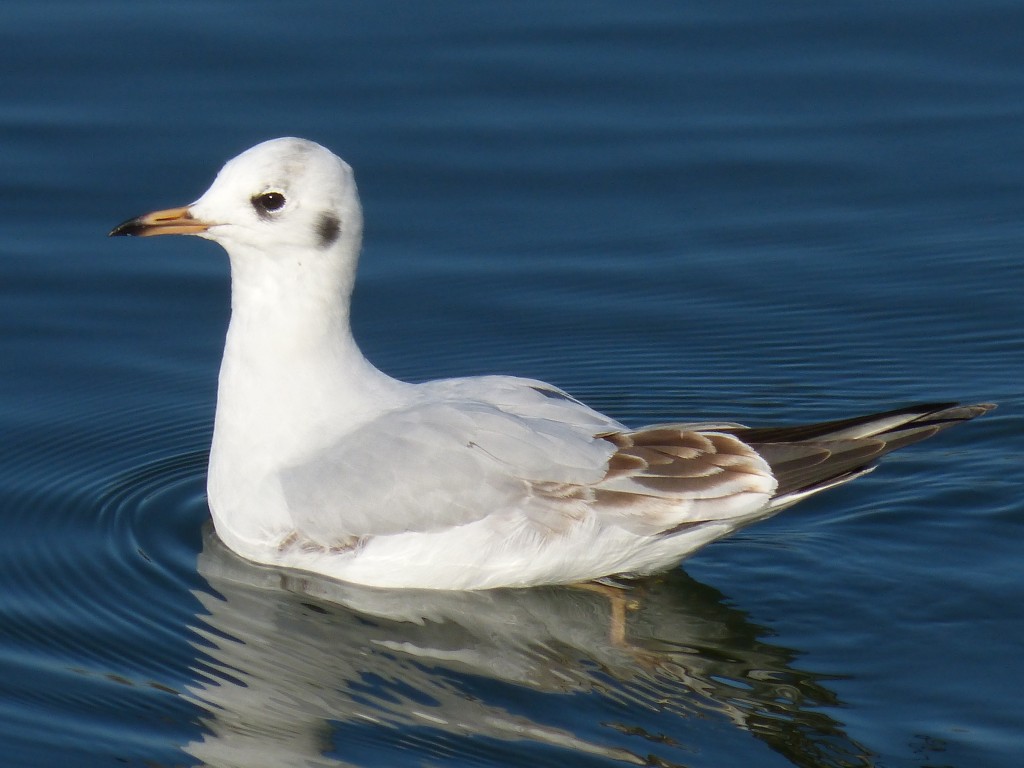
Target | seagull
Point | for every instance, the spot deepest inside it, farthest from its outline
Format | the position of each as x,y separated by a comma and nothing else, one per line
322,463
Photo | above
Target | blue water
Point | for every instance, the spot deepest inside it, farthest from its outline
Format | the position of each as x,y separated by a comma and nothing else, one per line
762,212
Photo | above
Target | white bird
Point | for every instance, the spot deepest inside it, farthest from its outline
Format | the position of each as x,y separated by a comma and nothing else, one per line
323,463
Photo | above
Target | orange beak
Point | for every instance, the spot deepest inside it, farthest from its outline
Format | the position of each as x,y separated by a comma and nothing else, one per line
173,221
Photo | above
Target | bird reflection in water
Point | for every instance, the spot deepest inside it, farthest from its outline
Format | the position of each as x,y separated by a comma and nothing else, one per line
299,670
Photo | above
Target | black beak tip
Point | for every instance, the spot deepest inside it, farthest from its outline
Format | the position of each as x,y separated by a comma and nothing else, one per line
129,228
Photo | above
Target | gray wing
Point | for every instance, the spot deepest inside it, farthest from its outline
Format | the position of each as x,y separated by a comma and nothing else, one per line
442,464
541,457
436,465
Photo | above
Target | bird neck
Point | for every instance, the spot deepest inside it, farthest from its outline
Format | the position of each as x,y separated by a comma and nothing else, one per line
292,382
292,373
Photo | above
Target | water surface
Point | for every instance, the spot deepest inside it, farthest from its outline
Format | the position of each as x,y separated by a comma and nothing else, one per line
730,210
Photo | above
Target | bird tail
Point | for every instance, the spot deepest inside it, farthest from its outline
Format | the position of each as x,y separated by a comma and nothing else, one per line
810,458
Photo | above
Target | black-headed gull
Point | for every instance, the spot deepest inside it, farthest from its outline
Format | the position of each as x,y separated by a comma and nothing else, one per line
323,463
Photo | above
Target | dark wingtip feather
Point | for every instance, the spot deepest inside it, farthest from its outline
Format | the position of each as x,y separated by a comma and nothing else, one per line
816,456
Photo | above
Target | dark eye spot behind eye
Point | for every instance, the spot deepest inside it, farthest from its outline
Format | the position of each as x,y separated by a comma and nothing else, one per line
268,202
328,227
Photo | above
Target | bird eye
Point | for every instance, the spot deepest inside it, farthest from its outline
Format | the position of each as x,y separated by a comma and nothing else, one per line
268,202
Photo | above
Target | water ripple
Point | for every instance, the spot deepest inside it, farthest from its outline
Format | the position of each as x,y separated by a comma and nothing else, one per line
99,568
